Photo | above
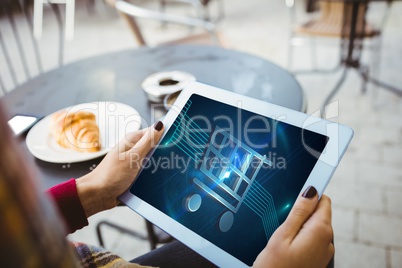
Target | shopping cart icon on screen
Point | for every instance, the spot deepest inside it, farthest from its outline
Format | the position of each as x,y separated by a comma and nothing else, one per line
231,168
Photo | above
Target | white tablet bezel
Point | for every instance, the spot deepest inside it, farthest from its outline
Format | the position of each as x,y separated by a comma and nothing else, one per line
339,138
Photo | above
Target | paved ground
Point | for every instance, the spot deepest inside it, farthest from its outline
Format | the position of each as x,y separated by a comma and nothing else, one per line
367,186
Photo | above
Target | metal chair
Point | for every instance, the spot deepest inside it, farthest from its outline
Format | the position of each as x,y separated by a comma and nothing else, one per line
155,235
130,13
69,17
202,8
329,24
347,20
19,48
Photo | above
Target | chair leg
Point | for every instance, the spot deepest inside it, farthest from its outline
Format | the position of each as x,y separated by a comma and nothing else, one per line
391,88
120,228
318,71
3,87
153,238
38,18
156,238
221,11
205,13
59,19
69,19
8,61
151,234
313,52
334,91
290,56
19,43
135,29
28,18
365,71
290,51
91,7
375,61
162,9
314,70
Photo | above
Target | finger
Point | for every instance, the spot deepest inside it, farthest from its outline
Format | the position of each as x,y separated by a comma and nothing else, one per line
301,212
323,211
322,217
330,254
130,140
149,139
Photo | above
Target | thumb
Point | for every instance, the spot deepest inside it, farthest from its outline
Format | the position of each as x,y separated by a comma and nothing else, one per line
303,208
149,139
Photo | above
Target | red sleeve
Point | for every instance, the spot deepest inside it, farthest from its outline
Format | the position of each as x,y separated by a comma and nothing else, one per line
66,198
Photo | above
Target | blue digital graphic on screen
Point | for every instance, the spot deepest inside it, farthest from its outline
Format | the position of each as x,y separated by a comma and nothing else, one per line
227,174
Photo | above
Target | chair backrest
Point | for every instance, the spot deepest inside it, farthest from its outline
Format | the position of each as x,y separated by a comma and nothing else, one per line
332,23
331,11
202,8
20,51
132,12
32,234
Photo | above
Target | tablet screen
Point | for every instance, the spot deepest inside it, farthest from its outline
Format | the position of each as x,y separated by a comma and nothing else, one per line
228,174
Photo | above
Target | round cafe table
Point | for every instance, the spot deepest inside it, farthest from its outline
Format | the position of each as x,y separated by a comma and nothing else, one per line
118,76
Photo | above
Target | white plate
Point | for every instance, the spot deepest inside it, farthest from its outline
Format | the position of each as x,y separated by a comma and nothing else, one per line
114,120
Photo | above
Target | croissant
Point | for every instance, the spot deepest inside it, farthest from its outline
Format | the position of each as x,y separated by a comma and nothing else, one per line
76,130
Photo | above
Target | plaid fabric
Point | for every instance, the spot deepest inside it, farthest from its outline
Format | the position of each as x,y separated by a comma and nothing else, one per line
95,257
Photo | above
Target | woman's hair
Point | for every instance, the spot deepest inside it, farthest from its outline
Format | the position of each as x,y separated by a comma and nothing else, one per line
31,232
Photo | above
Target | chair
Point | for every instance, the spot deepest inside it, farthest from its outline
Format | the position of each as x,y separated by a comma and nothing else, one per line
201,7
19,49
130,13
347,21
69,17
155,236
329,24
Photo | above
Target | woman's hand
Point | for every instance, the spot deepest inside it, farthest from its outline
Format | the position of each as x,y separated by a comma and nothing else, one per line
305,238
99,189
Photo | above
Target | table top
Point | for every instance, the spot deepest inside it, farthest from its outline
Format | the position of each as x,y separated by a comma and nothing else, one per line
118,76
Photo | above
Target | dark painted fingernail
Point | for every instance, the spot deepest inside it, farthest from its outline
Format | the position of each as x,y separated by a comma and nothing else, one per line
310,192
158,126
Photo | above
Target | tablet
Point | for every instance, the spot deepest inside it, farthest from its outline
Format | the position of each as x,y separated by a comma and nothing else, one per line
228,170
